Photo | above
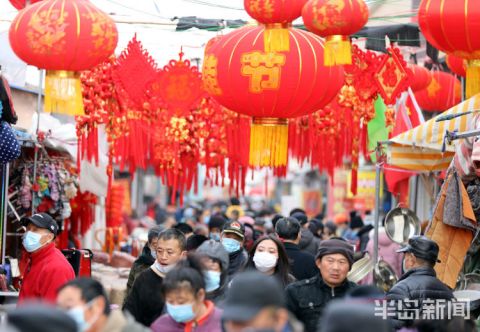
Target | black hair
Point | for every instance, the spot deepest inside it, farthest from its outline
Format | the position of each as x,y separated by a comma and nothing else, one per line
288,228
275,219
188,271
217,221
282,269
195,241
234,201
154,232
184,228
174,234
315,226
424,262
90,289
296,210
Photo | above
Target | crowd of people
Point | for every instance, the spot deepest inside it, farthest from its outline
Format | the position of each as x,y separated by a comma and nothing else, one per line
239,272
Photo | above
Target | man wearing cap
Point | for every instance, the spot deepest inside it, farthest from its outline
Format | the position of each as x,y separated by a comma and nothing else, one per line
419,282
232,239
256,303
47,269
307,298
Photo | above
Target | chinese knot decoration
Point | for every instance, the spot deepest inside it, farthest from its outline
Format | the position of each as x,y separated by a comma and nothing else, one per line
277,16
335,20
452,27
269,86
64,37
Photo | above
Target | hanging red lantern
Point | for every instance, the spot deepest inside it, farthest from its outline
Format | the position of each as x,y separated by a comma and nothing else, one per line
277,15
64,37
452,26
456,65
443,92
268,86
420,79
20,4
335,21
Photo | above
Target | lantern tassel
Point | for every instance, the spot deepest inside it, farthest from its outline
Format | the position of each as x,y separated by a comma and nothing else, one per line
473,78
269,142
276,38
63,93
338,51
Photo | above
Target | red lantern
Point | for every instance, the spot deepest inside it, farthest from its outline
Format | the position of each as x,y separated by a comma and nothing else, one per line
63,37
20,4
421,77
268,86
335,20
456,65
277,15
443,92
452,26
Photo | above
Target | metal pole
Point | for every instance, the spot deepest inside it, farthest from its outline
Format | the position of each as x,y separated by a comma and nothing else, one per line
4,196
376,215
39,109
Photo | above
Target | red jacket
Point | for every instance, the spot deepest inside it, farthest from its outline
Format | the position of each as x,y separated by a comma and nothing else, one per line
47,270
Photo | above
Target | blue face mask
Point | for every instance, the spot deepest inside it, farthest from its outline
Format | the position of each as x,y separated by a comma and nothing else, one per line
230,245
31,241
215,236
153,252
212,280
181,313
78,315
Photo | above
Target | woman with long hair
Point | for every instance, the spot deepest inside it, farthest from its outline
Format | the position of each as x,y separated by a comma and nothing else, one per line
269,257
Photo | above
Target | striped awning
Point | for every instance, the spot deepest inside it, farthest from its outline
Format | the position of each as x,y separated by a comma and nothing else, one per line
420,148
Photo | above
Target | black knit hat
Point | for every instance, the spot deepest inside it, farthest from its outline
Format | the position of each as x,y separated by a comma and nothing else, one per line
336,246
217,221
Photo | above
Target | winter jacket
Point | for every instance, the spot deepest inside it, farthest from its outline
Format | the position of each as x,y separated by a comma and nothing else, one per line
143,262
417,285
119,322
237,262
46,272
302,264
308,242
210,322
306,299
145,302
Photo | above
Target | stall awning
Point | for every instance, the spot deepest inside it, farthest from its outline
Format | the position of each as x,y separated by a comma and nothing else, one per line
420,149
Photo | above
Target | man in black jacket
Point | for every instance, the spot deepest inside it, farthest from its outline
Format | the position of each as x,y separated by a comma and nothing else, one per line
302,264
419,282
232,239
307,298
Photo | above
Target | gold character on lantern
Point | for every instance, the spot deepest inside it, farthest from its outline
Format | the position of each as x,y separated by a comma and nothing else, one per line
329,15
433,88
46,32
268,8
264,70
210,74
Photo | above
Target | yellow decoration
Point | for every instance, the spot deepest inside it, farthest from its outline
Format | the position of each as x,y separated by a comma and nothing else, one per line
268,142
63,93
276,38
338,51
473,78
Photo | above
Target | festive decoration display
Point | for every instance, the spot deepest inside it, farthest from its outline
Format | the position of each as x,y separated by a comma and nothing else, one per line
63,37
268,86
451,26
335,20
420,77
443,92
277,15
20,4
456,65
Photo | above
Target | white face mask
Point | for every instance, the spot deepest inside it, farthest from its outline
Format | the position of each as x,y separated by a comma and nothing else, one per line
264,261
164,269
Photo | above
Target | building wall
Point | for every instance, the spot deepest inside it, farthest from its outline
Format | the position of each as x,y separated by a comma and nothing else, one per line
25,104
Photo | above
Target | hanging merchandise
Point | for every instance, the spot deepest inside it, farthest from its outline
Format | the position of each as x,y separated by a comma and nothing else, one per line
456,65
269,86
335,21
443,92
451,26
64,37
420,77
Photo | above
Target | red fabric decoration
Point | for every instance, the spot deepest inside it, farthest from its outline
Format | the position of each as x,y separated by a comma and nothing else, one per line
456,65
441,94
420,77
20,4
274,11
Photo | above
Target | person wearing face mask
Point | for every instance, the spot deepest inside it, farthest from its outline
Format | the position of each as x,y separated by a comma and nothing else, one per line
145,301
269,257
215,258
232,239
188,309
146,258
86,302
47,268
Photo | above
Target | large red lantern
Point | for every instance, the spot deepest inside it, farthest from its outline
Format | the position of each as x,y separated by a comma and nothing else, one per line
277,16
335,20
421,77
64,37
270,86
443,92
20,4
456,65
452,26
